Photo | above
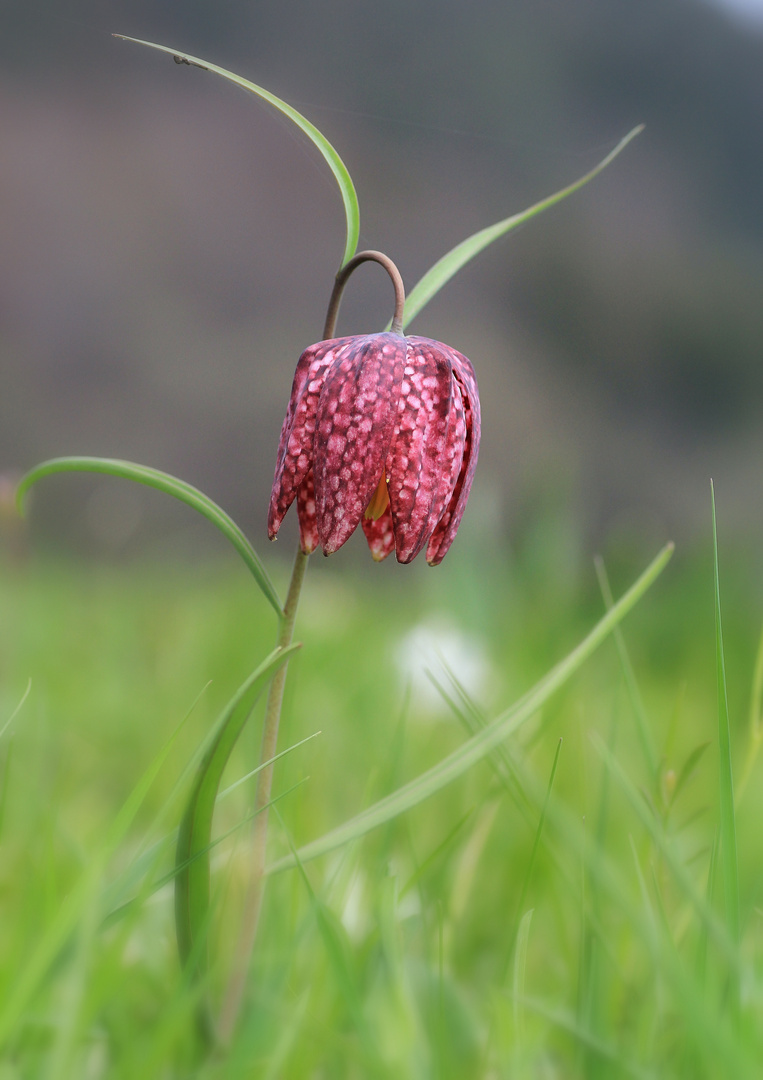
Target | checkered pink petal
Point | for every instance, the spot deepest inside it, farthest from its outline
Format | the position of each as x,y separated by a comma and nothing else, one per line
446,528
452,459
308,526
354,427
295,449
419,446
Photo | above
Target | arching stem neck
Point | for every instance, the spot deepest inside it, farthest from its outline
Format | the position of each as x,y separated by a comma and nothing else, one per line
343,277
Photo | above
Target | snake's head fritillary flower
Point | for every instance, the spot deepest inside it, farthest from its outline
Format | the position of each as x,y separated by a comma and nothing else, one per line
381,431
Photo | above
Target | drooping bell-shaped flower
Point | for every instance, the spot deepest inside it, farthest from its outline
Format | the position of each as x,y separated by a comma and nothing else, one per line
381,431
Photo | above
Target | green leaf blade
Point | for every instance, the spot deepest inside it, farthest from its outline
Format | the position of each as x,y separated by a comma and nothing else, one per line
170,485
449,265
728,850
329,154
195,833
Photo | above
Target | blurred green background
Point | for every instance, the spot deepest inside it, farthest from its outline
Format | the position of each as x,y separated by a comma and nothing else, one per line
167,246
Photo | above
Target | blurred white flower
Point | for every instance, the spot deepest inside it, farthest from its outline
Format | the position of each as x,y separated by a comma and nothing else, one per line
428,653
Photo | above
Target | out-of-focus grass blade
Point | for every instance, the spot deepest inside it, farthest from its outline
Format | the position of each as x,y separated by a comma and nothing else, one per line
474,720
718,1044
331,157
120,911
449,265
586,1038
755,738
253,772
518,982
480,745
5,763
170,485
432,858
194,835
687,770
702,936
533,856
728,849
59,930
715,928
337,949
727,814
642,723
17,710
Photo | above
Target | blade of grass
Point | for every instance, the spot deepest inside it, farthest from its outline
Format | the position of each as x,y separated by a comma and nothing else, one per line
194,835
701,963
449,265
58,932
717,930
727,814
501,761
687,771
337,949
5,765
117,896
465,876
755,723
586,1038
728,848
533,854
480,745
642,723
514,935
431,859
149,889
170,485
329,154
264,764
147,857
717,1045
17,710
518,986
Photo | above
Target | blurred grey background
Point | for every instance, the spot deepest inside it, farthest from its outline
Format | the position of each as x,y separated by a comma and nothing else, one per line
168,243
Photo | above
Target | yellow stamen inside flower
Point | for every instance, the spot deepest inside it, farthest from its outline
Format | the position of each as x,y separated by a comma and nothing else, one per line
379,502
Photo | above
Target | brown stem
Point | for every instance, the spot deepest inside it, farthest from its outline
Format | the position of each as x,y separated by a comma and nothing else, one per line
344,276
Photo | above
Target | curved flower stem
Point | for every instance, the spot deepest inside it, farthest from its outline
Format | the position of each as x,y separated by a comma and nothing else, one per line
234,992
344,276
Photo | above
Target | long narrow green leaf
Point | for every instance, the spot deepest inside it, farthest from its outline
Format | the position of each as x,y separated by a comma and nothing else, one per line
449,265
149,888
194,835
332,158
755,724
518,983
728,850
480,745
653,826
128,883
533,856
568,1023
17,710
712,1034
335,943
170,485
642,722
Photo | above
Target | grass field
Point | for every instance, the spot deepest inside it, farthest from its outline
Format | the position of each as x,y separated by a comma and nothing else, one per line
490,931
